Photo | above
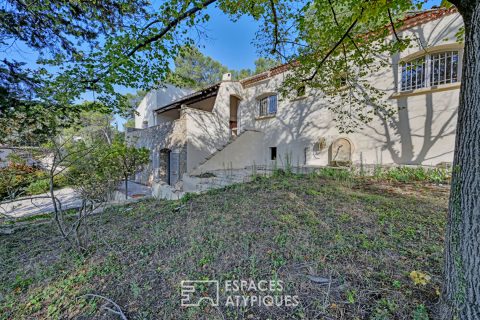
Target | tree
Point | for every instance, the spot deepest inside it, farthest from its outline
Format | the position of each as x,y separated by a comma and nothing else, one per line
128,160
195,70
462,253
94,166
63,33
264,64
130,123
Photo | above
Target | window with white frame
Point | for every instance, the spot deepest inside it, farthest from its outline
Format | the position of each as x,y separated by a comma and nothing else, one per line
268,106
444,68
430,70
413,74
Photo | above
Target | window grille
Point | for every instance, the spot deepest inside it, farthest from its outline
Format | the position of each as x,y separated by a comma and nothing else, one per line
444,68
430,70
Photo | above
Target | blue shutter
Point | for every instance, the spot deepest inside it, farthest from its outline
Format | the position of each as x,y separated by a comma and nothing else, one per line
272,104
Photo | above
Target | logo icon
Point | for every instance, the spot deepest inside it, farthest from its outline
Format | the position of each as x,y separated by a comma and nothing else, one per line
194,292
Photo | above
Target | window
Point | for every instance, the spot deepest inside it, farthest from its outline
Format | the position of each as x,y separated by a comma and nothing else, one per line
430,70
268,106
273,153
413,74
444,68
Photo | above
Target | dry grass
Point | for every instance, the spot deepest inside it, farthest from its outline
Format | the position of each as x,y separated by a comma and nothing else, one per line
364,235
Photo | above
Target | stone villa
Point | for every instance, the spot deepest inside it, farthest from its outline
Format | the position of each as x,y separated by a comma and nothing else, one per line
243,125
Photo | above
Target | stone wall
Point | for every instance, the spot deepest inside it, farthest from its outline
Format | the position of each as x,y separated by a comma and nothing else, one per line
170,135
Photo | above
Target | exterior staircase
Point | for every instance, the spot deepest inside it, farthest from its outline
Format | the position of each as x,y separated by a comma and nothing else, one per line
249,140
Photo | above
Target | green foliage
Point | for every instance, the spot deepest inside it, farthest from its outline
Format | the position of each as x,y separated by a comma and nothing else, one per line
93,170
337,174
265,64
34,123
19,179
398,174
130,123
96,123
97,166
14,178
129,159
40,185
195,70
384,310
32,97
409,174
420,313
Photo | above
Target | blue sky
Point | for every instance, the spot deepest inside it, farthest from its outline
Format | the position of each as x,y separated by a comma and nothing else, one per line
230,42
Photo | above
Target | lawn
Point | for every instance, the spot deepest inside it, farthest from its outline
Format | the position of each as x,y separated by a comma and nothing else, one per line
363,235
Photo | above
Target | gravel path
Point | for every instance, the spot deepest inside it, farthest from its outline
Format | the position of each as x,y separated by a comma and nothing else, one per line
29,206
26,206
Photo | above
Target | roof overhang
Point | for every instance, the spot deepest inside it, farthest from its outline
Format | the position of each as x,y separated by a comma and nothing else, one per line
200,95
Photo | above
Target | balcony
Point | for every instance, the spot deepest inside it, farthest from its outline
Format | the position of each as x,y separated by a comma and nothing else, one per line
165,135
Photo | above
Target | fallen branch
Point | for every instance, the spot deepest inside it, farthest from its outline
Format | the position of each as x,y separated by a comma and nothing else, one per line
118,311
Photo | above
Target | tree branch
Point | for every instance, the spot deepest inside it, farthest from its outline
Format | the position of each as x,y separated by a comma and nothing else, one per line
333,48
118,310
393,25
349,36
275,26
172,24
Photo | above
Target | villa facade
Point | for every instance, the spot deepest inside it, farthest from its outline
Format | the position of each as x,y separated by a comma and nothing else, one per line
244,124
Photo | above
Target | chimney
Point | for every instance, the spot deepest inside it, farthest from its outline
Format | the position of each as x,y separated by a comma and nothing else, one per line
227,77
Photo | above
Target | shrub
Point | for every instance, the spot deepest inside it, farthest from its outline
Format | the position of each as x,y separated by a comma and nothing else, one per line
408,174
60,181
14,178
335,173
38,186
43,185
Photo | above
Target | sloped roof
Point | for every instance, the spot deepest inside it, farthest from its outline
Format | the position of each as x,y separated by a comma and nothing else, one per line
416,18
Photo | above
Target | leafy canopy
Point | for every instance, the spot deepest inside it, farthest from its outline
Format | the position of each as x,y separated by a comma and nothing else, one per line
96,46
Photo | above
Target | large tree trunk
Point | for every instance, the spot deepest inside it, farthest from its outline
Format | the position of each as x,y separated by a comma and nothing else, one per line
461,292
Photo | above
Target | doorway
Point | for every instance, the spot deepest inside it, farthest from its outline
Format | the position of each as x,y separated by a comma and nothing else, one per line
234,102
164,169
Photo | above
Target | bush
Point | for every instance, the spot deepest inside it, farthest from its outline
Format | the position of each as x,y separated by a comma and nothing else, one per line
38,186
399,174
335,173
18,179
15,178
61,181
43,185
